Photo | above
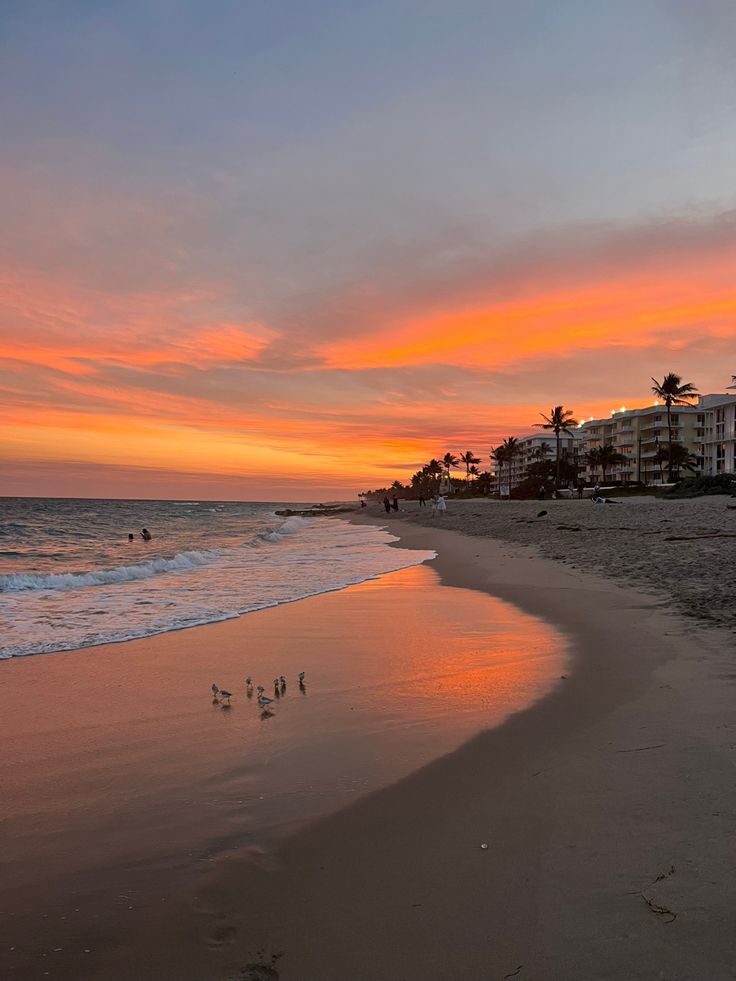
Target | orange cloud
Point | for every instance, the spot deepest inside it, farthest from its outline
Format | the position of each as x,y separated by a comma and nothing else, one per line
625,307
175,381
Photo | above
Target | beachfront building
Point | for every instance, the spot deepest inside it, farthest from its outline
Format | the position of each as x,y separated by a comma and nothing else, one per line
637,434
534,448
719,442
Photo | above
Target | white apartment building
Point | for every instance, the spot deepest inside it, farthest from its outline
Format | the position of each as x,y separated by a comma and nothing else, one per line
707,429
719,442
637,434
528,453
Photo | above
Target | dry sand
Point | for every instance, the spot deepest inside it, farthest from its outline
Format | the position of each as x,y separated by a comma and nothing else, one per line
608,808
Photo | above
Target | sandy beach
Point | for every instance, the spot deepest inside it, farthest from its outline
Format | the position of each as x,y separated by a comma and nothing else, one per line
682,550
124,783
607,808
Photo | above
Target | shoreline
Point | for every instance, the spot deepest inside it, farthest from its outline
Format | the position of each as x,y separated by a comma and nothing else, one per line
118,761
606,806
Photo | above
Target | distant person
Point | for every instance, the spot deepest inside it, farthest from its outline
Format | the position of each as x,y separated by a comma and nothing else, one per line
541,493
433,505
362,503
580,492
395,503
441,506
130,537
146,535
597,490
604,500
387,504
422,503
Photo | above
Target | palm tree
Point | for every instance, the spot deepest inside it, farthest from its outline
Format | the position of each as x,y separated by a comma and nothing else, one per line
469,460
672,392
511,451
433,469
604,457
560,420
505,453
449,460
677,458
499,457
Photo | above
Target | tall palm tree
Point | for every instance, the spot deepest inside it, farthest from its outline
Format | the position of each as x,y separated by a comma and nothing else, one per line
672,391
511,451
560,420
542,452
499,457
470,460
449,460
433,469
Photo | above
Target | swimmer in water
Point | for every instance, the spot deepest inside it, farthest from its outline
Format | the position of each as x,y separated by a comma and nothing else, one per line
146,535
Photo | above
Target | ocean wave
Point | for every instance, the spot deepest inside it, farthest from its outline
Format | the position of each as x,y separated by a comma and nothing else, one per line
288,527
17,582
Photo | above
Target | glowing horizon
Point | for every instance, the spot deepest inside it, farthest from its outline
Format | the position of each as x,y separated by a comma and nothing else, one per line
255,270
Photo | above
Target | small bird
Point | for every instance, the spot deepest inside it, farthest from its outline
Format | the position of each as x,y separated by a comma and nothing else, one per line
249,682
215,689
225,696
282,679
264,700
260,689
301,677
276,689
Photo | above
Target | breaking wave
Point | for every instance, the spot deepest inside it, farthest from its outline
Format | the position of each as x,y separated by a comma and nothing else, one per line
105,577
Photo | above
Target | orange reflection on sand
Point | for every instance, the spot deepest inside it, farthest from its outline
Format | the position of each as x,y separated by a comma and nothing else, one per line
465,651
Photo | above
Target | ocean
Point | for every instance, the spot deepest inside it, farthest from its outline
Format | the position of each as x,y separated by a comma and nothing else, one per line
70,578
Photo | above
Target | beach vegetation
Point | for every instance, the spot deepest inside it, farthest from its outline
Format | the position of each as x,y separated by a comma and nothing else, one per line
603,458
504,455
722,483
449,460
560,420
677,457
470,460
673,391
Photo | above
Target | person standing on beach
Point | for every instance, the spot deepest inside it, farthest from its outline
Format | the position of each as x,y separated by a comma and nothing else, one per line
441,506
395,503
387,504
422,502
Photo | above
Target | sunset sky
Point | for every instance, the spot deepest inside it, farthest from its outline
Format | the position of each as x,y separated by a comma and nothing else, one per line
291,249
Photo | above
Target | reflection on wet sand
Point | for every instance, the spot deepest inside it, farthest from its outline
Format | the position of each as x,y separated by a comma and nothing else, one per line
122,779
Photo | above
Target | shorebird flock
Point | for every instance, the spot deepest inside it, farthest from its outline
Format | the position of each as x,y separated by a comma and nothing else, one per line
221,696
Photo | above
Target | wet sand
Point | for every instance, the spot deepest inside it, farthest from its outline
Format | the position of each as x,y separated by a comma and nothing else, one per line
682,550
123,784
608,809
